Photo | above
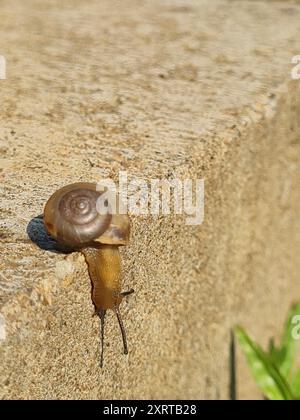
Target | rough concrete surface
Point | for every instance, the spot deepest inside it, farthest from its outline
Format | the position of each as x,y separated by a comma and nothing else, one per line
162,89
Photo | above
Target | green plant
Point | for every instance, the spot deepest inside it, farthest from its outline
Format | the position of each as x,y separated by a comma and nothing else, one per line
274,370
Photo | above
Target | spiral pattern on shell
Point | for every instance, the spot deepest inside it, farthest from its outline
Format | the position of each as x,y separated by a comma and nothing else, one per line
71,215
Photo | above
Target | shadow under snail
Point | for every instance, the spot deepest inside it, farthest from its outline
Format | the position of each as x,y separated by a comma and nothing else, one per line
72,218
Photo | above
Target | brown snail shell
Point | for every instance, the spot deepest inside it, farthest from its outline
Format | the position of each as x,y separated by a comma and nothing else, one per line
71,217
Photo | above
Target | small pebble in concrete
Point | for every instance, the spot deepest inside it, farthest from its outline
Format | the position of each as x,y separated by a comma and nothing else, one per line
2,328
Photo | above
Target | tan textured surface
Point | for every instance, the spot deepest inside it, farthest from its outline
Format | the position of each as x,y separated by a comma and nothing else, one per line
160,88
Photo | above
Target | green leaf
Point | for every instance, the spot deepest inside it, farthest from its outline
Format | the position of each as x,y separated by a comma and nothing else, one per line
276,355
266,374
288,344
295,385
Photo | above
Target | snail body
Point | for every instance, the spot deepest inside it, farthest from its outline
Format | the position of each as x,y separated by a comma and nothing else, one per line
72,217
105,268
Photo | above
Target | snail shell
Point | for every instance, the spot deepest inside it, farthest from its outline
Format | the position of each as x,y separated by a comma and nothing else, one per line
71,217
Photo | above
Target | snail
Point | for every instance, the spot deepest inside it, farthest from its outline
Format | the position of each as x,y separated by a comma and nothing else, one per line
72,218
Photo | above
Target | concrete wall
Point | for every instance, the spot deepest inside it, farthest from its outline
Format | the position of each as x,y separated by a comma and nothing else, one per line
160,88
